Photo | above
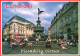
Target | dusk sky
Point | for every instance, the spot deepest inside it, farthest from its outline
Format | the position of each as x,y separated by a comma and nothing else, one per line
31,14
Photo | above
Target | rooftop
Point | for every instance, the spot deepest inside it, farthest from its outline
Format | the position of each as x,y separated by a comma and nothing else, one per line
20,19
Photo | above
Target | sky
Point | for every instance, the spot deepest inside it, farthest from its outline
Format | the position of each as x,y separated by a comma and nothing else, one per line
31,14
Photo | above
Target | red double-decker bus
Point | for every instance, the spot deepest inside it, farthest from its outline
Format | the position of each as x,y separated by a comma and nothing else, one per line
16,36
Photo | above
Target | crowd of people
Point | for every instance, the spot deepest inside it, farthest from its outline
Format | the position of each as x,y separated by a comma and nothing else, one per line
25,42
21,42
61,42
18,42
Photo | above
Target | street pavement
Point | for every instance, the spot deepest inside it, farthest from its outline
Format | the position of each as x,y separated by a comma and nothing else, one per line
38,49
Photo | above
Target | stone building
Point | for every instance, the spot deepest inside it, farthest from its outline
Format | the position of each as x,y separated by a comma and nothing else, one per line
18,27
65,24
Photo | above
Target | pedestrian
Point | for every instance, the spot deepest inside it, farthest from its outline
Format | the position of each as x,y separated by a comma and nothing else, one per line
5,40
26,40
63,47
21,43
48,44
9,40
30,43
12,44
55,40
37,40
39,36
59,43
49,39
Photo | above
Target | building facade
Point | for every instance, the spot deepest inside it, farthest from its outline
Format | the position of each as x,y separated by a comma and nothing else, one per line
18,27
65,24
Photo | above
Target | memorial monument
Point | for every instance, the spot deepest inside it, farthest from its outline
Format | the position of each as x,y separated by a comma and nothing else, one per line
38,29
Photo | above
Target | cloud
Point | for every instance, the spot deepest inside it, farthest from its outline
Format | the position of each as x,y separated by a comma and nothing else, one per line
60,6
34,2
32,20
15,3
42,9
22,11
45,22
26,11
45,15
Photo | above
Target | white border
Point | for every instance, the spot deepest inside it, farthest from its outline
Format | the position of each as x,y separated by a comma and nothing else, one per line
39,1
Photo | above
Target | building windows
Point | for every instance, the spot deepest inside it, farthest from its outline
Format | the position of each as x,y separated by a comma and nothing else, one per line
65,19
18,29
76,14
72,15
76,25
14,28
23,30
70,18
10,28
